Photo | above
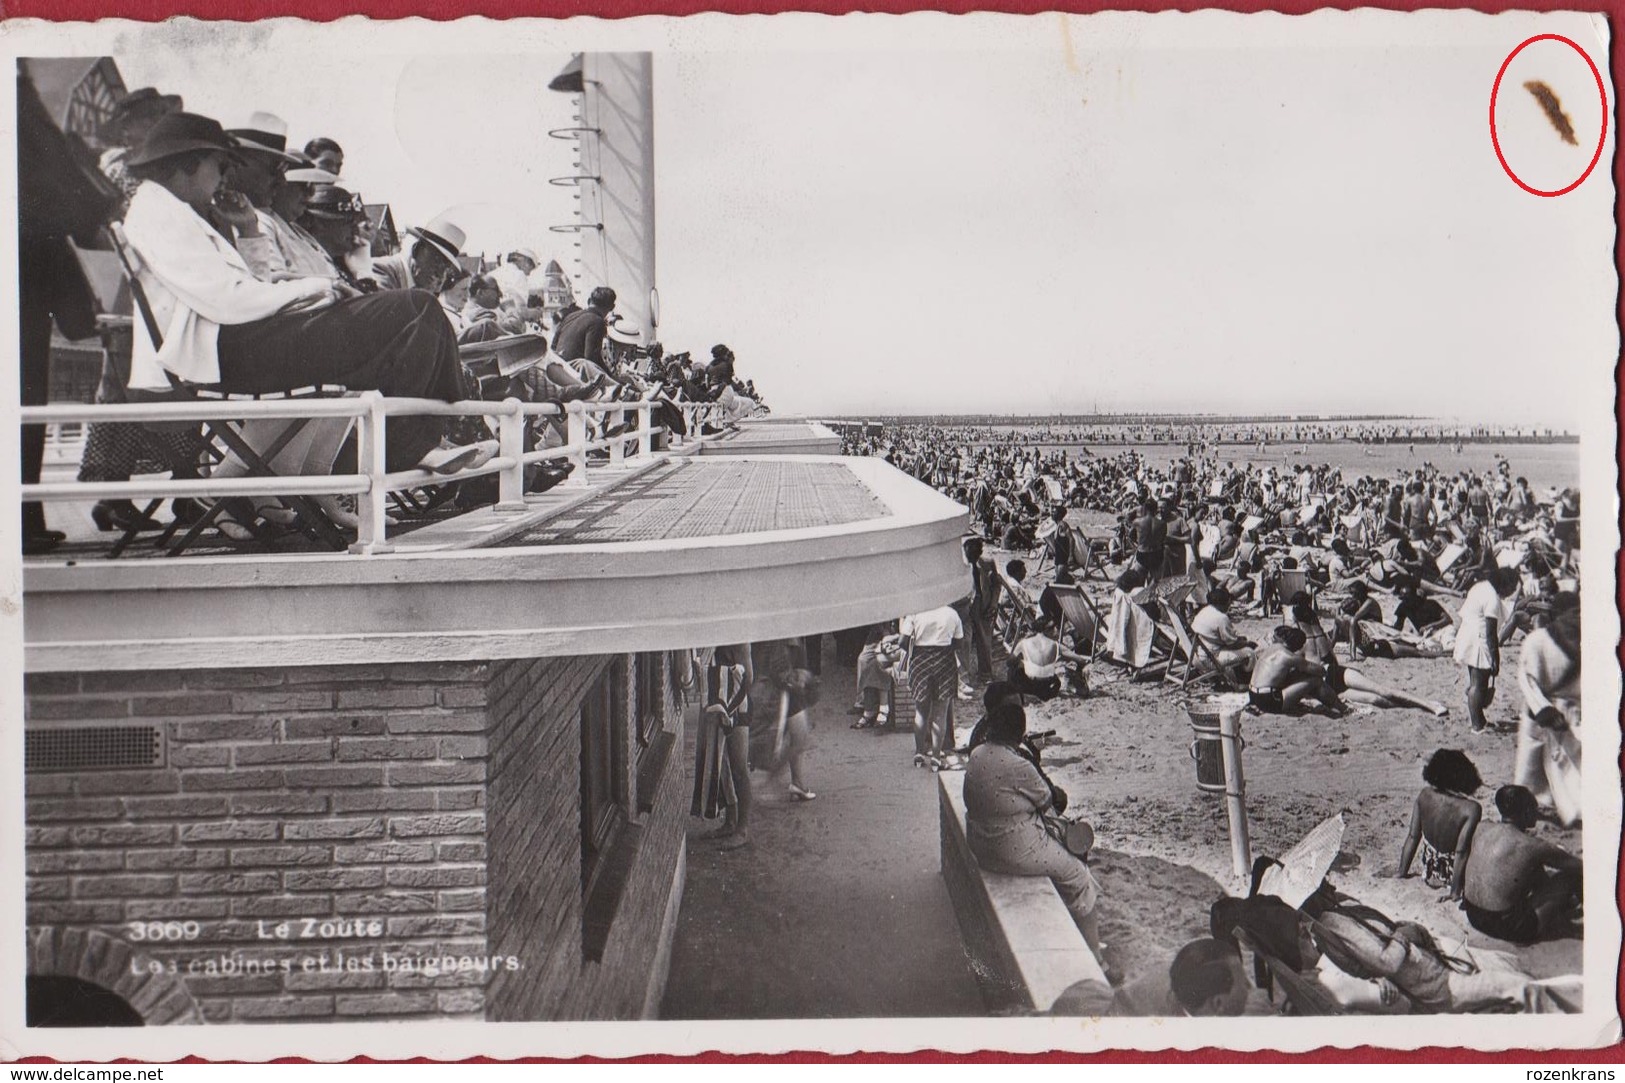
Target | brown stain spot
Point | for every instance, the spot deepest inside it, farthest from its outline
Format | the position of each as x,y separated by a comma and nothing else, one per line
1554,110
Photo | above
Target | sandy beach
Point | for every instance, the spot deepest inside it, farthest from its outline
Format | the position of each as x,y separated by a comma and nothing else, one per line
1123,754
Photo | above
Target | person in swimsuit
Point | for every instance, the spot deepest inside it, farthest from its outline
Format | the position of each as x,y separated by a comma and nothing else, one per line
1283,678
1518,888
1343,681
1404,955
1443,821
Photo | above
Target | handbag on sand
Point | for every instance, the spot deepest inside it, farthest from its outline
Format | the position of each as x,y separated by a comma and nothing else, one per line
1078,836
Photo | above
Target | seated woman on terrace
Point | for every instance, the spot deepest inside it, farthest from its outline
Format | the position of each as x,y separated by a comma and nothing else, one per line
216,324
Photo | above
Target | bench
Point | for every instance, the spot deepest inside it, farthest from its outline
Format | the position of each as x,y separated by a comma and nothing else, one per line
1020,938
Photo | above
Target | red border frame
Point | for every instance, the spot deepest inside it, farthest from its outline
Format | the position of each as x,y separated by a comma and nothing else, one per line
325,10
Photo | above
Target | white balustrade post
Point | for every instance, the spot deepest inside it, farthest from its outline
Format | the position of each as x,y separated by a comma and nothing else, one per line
511,445
617,449
370,533
575,436
646,434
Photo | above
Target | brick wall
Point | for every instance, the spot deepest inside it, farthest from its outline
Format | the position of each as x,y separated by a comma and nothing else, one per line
537,898
440,801
332,794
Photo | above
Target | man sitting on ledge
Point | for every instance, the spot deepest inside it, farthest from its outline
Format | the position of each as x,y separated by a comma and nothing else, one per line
221,326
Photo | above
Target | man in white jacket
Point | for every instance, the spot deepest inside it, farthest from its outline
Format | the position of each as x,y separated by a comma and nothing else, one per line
213,322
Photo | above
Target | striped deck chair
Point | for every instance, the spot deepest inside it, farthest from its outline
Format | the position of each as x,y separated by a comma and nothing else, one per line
1290,581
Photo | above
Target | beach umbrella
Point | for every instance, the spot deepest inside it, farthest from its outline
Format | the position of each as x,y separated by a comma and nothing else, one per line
1304,867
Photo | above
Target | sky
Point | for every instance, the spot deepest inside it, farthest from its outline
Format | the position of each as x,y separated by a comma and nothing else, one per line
1072,214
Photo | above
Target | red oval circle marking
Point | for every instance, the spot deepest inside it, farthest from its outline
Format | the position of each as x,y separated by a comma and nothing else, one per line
1602,136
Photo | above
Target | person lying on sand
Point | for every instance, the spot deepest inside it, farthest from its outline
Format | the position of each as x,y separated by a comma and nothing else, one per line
1343,681
1405,956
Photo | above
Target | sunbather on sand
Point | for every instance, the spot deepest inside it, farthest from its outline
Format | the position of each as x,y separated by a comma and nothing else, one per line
1351,683
1283,678
1518,888
1443,821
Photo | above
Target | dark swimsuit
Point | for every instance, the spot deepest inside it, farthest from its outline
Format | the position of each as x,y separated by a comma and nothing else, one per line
1267,700
1520,925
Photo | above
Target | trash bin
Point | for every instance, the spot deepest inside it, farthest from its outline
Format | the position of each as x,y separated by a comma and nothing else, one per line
1208,747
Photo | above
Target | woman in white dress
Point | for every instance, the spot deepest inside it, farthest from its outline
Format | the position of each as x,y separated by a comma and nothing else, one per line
1485,623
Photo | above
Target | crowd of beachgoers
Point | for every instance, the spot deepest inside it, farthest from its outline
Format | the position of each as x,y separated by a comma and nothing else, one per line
1198,434
1307,591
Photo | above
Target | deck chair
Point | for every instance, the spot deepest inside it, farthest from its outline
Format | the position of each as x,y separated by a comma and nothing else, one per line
1159,643
1290,581
1300,994
1089,556
230,438
1194,661
1081,617
1020,612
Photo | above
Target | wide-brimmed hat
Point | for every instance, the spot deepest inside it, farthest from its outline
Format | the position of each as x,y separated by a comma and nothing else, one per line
444,235
181,133
331,201
528,253
144,98
625,332
309,174
266,133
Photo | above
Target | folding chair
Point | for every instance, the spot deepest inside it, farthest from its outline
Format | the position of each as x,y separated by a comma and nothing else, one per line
1089,556
1290,581
1200,663
1021,612
1080,615
1301,994
310,517
104,272
1162,645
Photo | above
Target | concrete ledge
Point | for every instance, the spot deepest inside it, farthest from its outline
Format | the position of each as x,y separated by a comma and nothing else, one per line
776,436
1023,945
471,603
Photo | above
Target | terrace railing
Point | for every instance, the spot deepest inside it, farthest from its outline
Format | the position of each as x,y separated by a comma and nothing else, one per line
372,483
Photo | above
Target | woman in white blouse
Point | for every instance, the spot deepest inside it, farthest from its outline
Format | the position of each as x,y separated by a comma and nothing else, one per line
209,320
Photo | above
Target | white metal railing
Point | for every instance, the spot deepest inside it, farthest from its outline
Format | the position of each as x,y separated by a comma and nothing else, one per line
372,483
